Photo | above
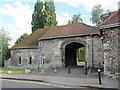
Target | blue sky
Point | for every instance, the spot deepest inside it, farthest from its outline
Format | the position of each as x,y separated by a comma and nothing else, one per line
15,15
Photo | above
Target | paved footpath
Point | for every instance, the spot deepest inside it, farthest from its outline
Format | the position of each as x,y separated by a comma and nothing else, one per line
67,80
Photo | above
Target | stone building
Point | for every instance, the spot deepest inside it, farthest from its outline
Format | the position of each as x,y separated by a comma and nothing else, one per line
110,30
57,46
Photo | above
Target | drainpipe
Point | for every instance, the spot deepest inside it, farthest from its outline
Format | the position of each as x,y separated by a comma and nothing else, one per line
92,53
38,56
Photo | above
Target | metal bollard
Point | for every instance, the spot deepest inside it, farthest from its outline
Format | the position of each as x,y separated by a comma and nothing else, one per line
55,70
99,76
69,69
86,69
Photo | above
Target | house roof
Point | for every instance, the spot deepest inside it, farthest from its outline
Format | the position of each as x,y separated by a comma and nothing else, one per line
114,18
58,31
31,40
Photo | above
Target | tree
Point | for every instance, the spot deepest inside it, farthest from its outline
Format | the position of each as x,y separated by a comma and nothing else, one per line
44,15
37,16
75,19
81,54
4,49
23,36
49,14
96,14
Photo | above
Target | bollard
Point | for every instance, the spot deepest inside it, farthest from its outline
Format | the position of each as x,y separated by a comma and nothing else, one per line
99,76
69,69
42,70
86,71
55,70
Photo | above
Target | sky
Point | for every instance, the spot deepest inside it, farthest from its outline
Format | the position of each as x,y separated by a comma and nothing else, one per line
16,15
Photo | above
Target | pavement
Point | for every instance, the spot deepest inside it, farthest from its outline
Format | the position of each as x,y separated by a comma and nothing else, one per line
75,79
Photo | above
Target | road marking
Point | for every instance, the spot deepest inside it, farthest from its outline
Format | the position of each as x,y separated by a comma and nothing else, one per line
42,83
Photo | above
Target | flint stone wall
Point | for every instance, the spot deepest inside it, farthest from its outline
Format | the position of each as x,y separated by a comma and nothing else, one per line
52,54
111,57
25,55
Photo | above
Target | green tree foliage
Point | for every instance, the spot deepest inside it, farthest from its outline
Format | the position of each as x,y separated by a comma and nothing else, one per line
23,36
4,49
44,15
75,19
96,14
37,16
81,54
49,14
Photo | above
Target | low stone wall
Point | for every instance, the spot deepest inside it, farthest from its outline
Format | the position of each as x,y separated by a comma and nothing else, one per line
7,63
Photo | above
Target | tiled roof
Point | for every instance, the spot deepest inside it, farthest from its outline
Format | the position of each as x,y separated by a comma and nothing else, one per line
114,18
72,29
58,31
31,40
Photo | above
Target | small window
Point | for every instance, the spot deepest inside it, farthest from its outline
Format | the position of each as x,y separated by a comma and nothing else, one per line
30,60
20,61
43,61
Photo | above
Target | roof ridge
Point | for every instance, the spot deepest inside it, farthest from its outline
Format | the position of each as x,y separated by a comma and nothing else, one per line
63,30
109,17
62,26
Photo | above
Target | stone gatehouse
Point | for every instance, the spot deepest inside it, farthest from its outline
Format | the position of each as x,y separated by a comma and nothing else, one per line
57,46
62,52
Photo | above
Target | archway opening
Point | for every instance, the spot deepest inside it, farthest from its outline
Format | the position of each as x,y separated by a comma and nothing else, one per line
74,53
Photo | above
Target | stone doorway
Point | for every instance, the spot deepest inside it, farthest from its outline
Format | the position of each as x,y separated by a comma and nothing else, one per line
71,53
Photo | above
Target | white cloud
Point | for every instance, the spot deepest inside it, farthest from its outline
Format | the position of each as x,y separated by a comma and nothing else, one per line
88,4
63,18
85,18
21,15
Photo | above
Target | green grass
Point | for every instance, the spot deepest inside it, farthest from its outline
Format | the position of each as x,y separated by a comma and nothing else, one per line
14,71
34,70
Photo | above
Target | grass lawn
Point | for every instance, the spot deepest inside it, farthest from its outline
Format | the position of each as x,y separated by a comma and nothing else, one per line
14,71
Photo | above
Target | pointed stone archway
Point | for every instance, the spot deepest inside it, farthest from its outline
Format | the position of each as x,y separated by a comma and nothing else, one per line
68,51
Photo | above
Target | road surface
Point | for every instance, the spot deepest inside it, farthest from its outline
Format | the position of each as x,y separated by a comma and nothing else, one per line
8,83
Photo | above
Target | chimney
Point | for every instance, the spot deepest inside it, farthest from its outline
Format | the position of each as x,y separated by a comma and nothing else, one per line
105,16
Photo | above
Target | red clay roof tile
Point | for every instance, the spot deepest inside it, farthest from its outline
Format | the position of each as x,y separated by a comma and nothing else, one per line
65,30
115,18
